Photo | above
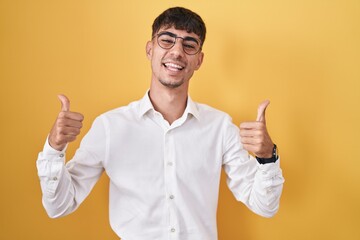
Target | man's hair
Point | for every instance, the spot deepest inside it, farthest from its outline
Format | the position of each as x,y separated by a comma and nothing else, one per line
182,19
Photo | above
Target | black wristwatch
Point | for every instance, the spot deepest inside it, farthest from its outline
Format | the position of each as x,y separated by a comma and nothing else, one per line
273,159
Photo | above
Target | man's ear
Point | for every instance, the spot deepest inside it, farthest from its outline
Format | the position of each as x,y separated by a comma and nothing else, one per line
200,60
149,48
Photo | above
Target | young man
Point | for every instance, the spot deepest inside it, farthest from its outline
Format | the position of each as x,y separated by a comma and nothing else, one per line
163,153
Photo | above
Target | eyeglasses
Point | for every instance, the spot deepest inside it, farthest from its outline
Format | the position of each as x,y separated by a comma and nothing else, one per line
167,40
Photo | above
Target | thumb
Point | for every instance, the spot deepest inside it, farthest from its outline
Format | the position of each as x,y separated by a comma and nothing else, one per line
65,103
261,111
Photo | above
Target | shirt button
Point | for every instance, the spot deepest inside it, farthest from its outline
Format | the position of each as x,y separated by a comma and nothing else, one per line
170,164
172,196
173,230
54,179
264,172
61,155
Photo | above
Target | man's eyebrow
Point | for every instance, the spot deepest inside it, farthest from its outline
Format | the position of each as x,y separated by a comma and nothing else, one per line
167,33
191,39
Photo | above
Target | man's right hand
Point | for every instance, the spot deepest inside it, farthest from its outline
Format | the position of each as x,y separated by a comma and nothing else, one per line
66,127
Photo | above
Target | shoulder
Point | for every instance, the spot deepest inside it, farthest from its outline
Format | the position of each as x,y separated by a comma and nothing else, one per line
218,121
210,113
129,112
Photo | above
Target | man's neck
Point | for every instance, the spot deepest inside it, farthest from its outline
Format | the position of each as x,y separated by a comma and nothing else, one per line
171,103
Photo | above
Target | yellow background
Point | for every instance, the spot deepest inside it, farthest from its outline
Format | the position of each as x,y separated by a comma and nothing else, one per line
302,55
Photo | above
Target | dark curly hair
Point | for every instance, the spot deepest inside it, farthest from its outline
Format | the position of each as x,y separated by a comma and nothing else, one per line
182,19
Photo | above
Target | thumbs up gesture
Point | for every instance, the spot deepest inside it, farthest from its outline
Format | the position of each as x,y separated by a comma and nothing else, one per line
254,135
66,127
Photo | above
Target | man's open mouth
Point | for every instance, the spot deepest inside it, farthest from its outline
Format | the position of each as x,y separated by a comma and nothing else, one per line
173,66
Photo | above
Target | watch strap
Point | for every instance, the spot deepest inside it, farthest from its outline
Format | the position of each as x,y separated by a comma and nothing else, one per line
273,158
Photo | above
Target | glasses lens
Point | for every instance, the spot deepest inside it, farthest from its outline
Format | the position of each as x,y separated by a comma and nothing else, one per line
190,46
166,41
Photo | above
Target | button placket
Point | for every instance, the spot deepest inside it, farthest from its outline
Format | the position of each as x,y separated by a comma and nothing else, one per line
170,178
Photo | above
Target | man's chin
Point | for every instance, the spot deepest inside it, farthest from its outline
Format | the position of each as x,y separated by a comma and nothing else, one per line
171,84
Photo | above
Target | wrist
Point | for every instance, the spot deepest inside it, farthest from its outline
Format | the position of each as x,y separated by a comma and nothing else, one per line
55,147
271,159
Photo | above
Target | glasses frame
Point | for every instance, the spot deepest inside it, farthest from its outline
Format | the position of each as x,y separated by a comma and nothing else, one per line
170,34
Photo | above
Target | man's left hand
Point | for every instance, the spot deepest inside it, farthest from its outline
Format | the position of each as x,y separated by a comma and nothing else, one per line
254,135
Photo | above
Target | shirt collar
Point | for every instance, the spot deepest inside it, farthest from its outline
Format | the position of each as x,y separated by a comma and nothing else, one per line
146,105
192,108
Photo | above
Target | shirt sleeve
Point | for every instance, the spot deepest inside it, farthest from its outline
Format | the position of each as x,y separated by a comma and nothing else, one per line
258,186
65,186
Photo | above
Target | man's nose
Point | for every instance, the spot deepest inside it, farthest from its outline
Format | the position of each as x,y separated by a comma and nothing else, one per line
178,47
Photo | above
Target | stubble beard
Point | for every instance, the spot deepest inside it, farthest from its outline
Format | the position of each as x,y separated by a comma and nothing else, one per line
170,84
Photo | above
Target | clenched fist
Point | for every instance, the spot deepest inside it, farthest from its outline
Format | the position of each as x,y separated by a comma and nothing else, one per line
254,135
66,127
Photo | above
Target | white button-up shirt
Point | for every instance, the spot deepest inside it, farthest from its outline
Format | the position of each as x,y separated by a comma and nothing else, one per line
164,179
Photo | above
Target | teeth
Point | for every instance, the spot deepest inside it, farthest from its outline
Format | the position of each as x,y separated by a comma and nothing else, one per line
173,65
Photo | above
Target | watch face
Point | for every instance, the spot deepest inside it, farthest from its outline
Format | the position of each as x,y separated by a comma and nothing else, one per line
275,152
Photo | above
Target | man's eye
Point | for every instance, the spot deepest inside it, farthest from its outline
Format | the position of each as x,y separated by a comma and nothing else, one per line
167,41
189,46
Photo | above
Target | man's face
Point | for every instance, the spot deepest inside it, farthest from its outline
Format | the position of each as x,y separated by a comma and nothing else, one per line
173,67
